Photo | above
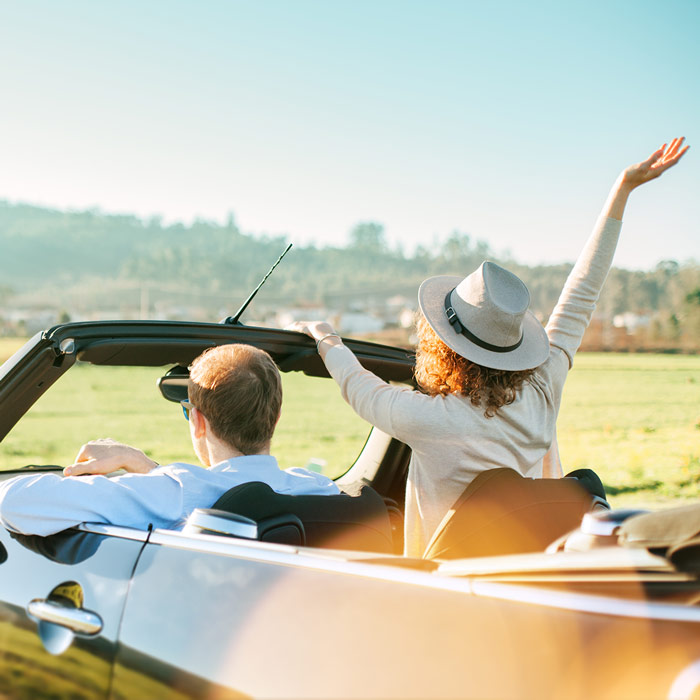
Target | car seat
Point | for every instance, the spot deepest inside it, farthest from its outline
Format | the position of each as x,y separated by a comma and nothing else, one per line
358,522
503,512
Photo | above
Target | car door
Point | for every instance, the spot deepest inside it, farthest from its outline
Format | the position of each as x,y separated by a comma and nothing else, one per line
61,602
213,617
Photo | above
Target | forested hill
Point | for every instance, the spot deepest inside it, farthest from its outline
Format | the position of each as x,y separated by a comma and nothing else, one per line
47,249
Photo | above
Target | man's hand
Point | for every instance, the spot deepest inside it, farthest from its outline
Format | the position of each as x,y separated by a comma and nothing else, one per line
105,456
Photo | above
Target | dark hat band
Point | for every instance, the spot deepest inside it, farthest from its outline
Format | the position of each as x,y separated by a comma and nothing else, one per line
460,328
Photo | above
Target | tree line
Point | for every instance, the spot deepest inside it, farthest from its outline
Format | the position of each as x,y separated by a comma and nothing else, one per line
43,249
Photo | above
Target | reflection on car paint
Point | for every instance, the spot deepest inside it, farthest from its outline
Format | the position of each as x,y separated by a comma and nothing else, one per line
79,669
67,547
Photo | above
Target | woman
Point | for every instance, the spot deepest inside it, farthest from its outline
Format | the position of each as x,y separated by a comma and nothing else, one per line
491,376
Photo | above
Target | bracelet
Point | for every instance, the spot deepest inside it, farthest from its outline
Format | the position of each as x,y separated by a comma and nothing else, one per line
322,338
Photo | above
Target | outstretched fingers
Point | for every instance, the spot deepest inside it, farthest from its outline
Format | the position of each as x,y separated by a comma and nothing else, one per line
656,164
671,156
656,156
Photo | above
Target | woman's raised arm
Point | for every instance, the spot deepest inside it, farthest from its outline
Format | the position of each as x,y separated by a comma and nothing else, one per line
573,311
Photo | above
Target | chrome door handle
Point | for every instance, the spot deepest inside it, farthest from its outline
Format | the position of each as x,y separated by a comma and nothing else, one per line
75,619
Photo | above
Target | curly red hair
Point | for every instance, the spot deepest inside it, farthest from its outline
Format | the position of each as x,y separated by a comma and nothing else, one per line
440,370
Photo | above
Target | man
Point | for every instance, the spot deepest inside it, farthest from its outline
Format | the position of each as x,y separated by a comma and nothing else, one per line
235,397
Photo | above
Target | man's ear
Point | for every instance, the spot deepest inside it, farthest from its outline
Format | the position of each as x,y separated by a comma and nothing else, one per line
199,422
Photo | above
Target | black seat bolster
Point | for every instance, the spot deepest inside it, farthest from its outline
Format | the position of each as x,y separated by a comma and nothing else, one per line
282,529
341,521
591,482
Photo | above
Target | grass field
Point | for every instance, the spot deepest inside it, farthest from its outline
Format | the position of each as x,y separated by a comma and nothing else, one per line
635,419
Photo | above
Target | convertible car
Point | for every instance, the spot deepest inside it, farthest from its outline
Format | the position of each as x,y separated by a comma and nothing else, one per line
259,596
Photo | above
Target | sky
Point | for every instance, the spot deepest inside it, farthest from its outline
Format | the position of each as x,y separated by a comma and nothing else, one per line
508,121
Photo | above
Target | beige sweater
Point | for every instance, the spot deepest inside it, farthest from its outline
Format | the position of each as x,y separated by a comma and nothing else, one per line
451,440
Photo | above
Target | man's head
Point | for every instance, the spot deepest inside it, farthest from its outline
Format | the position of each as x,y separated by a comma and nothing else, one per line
238,389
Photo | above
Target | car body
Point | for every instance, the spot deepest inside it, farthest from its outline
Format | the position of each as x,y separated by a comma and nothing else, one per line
103,611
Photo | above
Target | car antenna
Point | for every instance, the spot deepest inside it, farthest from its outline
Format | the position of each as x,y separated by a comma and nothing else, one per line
233,320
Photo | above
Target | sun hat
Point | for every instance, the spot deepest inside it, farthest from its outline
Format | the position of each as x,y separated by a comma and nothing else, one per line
485,318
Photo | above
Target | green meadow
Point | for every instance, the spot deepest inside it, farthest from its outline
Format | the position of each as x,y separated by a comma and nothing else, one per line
635,419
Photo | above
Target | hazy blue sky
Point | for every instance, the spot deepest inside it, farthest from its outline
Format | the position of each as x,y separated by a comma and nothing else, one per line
504,120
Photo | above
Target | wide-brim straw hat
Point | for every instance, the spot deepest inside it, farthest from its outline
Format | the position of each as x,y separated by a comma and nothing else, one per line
485,318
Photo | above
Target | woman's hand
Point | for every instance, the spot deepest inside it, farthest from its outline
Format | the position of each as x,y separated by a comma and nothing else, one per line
657,163
320,331
105,456
314,329
634,176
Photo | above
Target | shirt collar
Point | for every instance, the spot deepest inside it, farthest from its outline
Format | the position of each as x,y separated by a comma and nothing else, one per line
246,461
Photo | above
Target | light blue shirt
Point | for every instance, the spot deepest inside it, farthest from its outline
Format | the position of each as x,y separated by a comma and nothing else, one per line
43,504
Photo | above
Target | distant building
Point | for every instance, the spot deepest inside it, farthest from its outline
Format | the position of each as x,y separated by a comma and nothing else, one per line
358,323
406,317
284,317
631,321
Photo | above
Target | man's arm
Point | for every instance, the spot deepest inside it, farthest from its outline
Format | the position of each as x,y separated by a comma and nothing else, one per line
43,504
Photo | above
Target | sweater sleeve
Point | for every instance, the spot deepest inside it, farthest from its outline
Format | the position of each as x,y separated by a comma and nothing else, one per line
576,304
395,410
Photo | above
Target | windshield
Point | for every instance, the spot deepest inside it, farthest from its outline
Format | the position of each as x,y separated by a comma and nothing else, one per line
317,430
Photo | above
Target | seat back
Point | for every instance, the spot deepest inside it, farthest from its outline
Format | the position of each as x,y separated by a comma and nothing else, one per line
502,512
358,522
